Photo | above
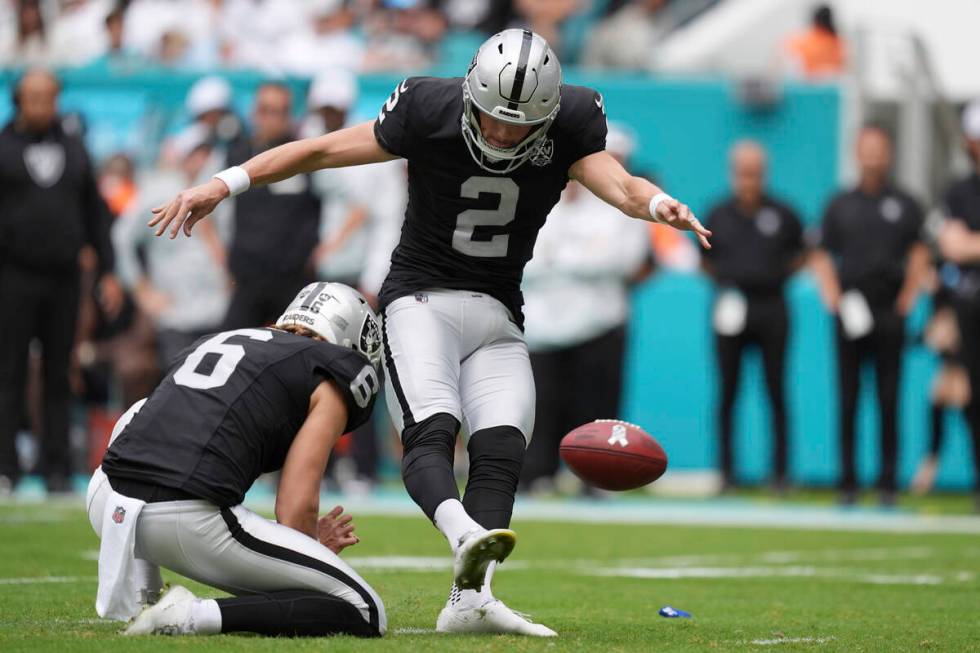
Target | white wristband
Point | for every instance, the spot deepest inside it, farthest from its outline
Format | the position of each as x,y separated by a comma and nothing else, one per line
655,202
236,179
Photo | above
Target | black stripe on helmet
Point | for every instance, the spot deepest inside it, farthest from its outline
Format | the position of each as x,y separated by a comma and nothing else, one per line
311,298
515,91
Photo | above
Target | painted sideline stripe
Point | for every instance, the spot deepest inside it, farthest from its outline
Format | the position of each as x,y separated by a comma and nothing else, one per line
722,513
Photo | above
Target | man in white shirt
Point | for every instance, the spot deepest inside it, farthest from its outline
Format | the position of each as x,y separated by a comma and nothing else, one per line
183,289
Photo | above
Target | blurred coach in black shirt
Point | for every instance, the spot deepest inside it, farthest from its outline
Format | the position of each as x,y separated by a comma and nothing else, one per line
270,259
50,208
959,242
757,245
870,264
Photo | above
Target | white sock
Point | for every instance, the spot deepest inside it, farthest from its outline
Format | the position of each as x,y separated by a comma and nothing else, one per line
452,520
204,617
472,598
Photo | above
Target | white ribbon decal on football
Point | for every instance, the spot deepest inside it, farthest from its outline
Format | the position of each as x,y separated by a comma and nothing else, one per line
618,435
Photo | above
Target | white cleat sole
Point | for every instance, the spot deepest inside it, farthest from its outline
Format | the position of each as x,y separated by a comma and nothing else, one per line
476,553
492,618
153,618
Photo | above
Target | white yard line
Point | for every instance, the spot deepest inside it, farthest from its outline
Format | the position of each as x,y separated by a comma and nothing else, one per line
786,557
42,580
856,575
787,640
656,569
414,631
418,563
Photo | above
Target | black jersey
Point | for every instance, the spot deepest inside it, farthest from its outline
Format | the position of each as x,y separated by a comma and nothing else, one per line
869,237
465,227
229,409
754,252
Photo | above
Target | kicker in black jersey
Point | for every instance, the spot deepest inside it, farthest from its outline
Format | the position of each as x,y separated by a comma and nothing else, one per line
465,227
229,410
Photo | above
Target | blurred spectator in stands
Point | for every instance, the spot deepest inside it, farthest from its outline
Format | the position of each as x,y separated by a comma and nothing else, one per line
117,183
118,57
209,103
51,210
756,246
577,305
196,21
254,32
545,17
326,40
959,242
403,35
817,52
78,33
486,16
270,260
182,288
626,40
870,266
24,39
173,50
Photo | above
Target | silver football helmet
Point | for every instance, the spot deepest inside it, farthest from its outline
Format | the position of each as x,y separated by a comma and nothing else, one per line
338,314
516,78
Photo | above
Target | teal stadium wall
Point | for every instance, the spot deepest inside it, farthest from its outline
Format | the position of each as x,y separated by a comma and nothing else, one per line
684,128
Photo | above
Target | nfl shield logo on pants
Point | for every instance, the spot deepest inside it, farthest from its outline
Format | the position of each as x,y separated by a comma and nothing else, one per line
119,514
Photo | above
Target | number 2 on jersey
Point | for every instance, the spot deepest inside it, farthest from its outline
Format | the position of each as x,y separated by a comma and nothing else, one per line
467,221
229,358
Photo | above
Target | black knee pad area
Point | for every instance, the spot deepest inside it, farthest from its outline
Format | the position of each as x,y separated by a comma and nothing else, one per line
427,461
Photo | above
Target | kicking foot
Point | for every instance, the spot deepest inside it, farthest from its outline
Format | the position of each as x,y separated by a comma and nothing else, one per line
169,616
492,617
476,550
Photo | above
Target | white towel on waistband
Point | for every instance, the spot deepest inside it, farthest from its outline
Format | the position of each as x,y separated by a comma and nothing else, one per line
119,591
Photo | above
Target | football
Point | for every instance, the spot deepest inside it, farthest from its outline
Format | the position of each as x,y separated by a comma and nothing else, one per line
613,455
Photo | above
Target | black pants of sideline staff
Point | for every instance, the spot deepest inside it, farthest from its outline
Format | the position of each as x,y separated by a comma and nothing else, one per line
883,348
968,314
43,306
767,327
574,385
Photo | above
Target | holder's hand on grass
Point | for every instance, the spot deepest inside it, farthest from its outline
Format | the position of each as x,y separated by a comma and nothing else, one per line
335,530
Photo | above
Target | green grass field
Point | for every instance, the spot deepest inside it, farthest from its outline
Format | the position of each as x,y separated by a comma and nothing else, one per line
599,585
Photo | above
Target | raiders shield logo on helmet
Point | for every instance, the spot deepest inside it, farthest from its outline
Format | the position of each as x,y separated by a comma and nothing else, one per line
45,163
371,338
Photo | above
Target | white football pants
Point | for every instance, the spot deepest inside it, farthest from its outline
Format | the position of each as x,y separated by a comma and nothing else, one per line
235,549
457,352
